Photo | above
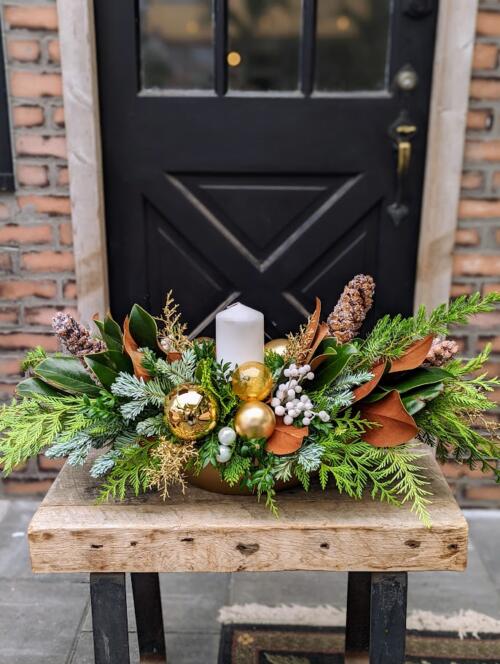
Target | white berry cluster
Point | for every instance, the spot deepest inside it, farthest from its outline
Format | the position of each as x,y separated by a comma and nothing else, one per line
227,439
290,402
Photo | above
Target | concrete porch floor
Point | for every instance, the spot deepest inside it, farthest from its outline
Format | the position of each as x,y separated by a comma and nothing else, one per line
46,618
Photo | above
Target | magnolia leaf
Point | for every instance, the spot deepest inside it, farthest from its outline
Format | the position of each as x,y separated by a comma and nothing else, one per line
36,386
321,334
325,345
312,325
414,356
104,373
319,359
414,379
286,439
334,364
396,425
173,356
418,400
110,332
135,355
376,395
68,374
143,328
364,390
108,364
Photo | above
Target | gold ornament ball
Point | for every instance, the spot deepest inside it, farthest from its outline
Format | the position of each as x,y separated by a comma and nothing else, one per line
190,412
278,346
254,419
252,380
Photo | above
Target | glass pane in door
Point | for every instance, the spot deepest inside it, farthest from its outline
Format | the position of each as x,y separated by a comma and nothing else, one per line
352,43
264,44
176,44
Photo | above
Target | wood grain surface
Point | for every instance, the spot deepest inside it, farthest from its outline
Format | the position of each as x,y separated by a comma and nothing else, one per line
200,531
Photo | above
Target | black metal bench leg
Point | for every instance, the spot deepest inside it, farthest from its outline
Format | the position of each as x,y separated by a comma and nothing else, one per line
149,618
357,629
109,618
376,618
388,617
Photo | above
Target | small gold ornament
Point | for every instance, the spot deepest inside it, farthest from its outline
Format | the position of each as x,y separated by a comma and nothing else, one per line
254,419
252,380
190,412
278,346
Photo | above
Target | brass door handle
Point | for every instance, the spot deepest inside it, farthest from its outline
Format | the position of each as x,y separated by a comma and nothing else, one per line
402,133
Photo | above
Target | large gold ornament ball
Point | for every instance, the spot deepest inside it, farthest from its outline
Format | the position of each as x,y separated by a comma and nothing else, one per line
278,346
190,412
252,380
254,419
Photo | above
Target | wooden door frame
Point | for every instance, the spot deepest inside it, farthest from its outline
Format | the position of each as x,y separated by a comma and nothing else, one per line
447,124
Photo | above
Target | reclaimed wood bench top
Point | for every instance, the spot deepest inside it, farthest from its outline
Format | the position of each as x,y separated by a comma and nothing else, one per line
200,531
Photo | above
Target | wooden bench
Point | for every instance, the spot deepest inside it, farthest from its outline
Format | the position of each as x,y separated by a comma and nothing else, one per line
204,532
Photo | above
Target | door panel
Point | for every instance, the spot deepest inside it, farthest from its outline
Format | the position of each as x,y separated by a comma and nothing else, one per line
255,186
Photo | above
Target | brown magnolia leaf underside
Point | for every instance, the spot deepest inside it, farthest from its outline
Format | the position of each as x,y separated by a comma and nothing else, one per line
364,390
317,361
135,355
286,439
310,333
396,426
312,325
414,356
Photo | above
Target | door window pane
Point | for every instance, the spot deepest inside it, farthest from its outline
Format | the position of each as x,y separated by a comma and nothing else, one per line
264,43
176,43
352,44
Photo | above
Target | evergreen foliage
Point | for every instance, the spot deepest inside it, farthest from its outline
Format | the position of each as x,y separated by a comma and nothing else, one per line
32,359
30,424
129,472
122,416
392,335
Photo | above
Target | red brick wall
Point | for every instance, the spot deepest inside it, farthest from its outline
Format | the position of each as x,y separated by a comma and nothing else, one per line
477,245
36,263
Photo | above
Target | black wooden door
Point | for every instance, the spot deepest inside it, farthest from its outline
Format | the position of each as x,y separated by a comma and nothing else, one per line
250,150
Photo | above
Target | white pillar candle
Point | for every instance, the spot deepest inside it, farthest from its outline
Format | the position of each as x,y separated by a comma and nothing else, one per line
239,335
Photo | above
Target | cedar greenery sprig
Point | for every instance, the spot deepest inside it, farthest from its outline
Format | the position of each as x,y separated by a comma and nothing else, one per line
32,359
131,471
29,425
392,335
392,474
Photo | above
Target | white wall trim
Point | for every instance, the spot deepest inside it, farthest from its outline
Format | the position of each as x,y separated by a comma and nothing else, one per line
445,147
447,122
81,104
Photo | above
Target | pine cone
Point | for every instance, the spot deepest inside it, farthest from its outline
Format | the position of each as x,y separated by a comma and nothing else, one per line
351,309
441,352
75,337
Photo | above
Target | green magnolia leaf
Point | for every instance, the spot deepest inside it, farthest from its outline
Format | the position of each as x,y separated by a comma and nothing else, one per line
108,364
331,367
414,379
328,343
417,400
104,373
111,333
36,386
68,374
143,328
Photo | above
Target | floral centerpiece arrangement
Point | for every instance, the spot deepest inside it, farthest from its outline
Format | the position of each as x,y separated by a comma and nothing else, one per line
147,406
